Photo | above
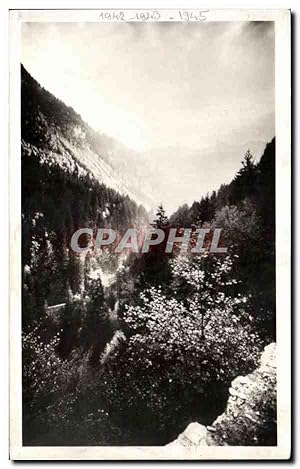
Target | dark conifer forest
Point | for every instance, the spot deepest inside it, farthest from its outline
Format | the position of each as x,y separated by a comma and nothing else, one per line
129,349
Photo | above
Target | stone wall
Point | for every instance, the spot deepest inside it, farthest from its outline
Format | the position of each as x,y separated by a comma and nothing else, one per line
250,415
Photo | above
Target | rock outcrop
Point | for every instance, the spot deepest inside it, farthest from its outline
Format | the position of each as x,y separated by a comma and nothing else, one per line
250,415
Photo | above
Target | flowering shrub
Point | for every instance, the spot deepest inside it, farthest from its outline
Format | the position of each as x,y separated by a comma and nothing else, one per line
174,365
46,378
62,403
206,285
41,367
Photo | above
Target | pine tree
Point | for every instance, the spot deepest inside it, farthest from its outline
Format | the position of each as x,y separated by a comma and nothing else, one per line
205,209
86,270
245,181
74,272
96,329
161,220
248,161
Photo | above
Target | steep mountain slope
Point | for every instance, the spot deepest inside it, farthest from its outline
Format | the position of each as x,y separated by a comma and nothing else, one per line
65,186
56,129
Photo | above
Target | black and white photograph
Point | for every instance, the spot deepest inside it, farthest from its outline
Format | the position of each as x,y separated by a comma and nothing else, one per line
150,309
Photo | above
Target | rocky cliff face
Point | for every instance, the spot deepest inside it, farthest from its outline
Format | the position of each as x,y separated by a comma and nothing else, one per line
250,416
60,136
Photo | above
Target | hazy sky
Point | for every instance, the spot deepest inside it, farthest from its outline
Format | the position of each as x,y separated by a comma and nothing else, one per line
160,84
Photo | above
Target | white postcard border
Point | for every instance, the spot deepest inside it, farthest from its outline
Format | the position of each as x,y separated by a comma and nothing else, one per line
283,250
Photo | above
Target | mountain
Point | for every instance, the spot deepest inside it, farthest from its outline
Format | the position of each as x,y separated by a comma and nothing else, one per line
56,129
169,174
66,185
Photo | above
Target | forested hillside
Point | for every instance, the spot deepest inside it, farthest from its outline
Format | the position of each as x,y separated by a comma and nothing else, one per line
245,210
60,195
136,347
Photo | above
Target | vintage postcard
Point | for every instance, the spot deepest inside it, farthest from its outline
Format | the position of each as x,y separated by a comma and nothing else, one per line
150,201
